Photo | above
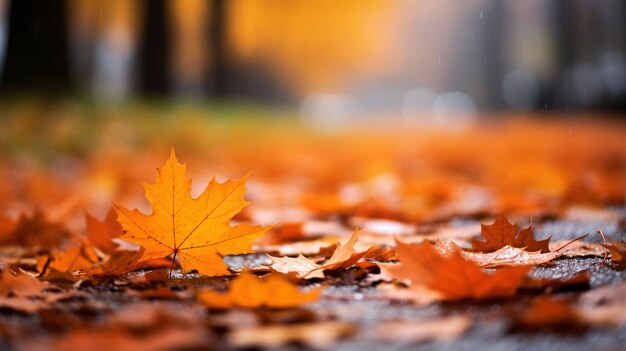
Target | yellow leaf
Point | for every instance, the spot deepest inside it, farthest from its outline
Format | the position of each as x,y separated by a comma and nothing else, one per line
197,231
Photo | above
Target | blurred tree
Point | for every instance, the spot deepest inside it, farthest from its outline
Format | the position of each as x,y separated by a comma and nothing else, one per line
154,51
37,49
218,51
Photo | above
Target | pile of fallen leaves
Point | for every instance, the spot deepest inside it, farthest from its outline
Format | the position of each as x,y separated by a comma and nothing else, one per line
171,279
354,239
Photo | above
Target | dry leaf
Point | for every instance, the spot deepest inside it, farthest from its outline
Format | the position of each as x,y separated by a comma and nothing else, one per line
452,275
197,231
275,291
126,261
511,256
618,252
344,256
502,233
20,285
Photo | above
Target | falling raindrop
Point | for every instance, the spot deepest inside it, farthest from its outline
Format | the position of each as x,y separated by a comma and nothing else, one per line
481,15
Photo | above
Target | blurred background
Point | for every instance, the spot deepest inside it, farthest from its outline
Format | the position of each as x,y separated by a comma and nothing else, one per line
324,57
409,110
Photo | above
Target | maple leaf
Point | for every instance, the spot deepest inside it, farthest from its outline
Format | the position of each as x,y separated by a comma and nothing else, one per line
452,275
247,291
197,231
125,261
344,256
102,233
76,258
502,233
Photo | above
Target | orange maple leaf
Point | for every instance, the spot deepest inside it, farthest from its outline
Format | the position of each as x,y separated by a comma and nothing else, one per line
102,233
451,275
502,233
344,256
275,291
197,231
82,257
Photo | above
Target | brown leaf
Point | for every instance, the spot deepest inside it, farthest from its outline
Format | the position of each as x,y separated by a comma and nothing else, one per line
502,233
20,285
343,257
511,256
452,275
618,252
548,313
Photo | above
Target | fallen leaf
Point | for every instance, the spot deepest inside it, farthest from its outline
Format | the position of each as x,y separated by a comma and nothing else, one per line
20,285
36,231
247,291
548,313
102,233
618,252
197,231
426,330
454,277
344,256
502,233
321,335
7,230
511,256
579,248
77,258
126,261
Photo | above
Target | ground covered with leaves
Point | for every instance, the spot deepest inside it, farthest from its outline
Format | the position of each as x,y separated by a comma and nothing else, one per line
502,235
